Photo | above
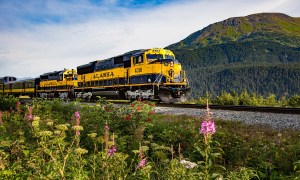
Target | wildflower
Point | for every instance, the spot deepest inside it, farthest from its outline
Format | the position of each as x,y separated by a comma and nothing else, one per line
142,158
128,117
77,128
107,109
30,116
50,123
45,133
36,118
106,127
92,135
81,151
35,124
112,151
18,107
151,112
142,163
139,99
62,127
106,135
188,164
77,133
77,115
149,120
208,127
152,104
139,108
132,105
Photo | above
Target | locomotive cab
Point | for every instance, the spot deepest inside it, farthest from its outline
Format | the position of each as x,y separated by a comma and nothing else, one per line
159,76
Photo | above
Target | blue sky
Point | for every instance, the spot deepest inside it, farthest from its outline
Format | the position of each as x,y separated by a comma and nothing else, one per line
39,36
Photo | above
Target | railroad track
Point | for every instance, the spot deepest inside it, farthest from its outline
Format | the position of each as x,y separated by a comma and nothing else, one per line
282,110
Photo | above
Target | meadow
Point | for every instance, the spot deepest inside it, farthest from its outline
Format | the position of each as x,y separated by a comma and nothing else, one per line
72,140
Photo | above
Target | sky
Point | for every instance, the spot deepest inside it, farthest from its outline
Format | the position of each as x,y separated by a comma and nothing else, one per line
39,36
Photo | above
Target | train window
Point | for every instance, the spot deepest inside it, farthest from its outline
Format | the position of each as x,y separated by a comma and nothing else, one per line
118,60
152,57
127,63
169,57
138,59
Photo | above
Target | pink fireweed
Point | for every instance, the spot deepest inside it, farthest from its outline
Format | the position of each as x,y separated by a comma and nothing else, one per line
112,151
106,127
208,127
77,122
18,106
30,116
142,163
106,135
77,115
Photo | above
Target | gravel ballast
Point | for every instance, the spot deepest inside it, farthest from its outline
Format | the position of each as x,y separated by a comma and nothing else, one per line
274,120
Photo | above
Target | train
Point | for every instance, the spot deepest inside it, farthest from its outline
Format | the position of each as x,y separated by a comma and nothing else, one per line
150,74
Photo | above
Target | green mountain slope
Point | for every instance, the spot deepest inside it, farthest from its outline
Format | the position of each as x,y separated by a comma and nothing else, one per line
273,27
259,53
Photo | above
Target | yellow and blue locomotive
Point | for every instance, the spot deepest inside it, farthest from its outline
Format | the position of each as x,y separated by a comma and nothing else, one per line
152,74
57,84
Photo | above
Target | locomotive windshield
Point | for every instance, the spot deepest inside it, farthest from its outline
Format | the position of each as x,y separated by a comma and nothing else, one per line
169,57
153,57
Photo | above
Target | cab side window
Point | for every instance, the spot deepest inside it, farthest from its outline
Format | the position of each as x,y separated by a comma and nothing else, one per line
138,59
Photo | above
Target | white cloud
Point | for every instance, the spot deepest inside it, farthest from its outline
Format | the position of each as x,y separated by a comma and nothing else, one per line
36,49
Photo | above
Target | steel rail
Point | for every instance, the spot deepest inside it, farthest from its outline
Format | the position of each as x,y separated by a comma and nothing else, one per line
281,110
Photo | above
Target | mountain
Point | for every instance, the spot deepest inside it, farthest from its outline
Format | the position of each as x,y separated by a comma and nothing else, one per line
259,53
273,27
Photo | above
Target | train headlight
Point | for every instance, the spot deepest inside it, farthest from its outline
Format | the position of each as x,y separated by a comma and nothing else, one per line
172,64
149,80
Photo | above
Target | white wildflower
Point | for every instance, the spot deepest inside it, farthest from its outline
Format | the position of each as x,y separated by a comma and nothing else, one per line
188,164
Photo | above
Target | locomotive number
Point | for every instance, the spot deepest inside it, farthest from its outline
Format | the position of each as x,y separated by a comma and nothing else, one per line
138,70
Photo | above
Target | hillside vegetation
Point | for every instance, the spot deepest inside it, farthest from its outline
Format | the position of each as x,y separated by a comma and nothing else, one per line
259,53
